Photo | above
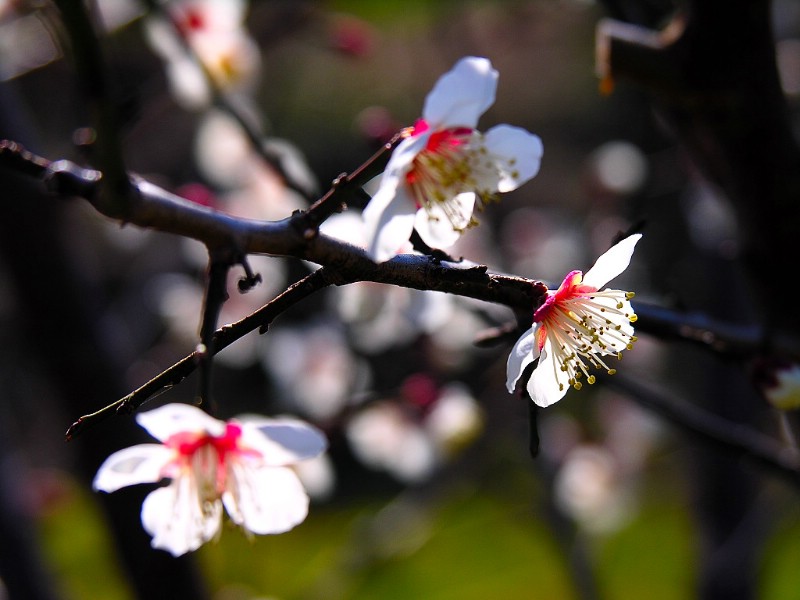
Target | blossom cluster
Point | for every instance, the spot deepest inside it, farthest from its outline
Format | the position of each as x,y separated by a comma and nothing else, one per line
442,172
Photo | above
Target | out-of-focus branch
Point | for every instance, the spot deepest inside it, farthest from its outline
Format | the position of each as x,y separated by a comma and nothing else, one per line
731,437
87,58
723,338
714,81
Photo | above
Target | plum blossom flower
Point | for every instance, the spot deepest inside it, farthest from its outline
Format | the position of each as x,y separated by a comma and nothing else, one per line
575,328
243,465
445,167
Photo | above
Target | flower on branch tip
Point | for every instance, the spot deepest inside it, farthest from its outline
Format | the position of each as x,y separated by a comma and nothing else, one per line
242,465
444,167
576,327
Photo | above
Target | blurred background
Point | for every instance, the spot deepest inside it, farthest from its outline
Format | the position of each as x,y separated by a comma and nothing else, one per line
428,489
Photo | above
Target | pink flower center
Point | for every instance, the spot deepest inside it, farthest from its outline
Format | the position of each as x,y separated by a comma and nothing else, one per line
206,456
443,168
556,301
192,20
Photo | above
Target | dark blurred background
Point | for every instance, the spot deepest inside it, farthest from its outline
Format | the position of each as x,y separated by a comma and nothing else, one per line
428,489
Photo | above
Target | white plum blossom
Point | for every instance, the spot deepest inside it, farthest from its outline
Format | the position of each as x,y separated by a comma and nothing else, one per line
445,167
577,326
242,465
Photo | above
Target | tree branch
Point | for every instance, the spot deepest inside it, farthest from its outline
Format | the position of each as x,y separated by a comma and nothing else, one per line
160,210
735,438
92,77
222,338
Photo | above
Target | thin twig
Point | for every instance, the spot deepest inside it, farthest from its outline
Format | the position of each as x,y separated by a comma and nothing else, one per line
347,184
216,294
223,338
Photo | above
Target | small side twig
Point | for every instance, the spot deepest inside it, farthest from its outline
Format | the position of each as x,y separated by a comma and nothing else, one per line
216,294
222,338
347,185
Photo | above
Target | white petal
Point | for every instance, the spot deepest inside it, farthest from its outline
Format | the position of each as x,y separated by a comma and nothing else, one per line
436,227
281,441
267,500
461,95
388,220
137,464
612,263
522,354
520,154
347,227
548,383
403,156
188,84
173,516
170,419
160,35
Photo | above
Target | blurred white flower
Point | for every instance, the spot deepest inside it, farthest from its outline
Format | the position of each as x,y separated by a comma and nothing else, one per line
26,42
313,368
242,465
588,487
215,35
454,420
779,381
383,438
411,436
250,188
619,167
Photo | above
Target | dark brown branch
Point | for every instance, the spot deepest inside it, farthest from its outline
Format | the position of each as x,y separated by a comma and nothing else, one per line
216,293
223,338
92,77
155,208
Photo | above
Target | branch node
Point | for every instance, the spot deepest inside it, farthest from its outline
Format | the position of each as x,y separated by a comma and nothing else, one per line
65,178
